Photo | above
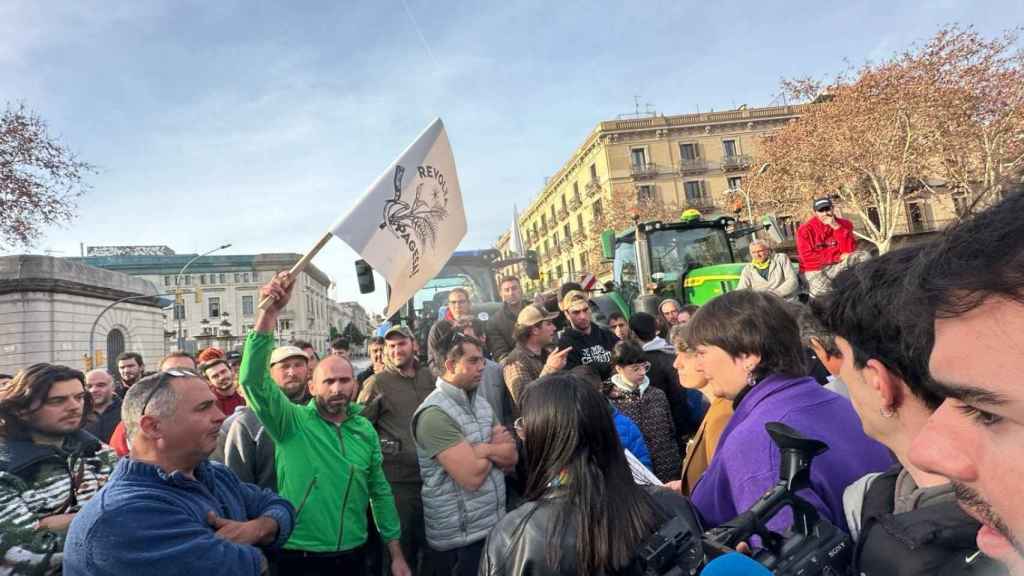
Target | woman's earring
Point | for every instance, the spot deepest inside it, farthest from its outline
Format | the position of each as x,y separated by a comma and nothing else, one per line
886,412
750,376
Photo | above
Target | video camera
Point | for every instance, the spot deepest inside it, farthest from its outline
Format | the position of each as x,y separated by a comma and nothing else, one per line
811,546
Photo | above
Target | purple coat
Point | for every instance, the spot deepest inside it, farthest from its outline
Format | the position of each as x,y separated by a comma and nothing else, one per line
746,463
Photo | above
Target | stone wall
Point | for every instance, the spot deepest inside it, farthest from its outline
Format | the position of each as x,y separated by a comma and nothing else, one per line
48,307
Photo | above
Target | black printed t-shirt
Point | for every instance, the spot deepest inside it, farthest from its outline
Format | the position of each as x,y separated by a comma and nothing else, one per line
594,349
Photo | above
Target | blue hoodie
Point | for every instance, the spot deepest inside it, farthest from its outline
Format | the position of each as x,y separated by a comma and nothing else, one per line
631,437
145,521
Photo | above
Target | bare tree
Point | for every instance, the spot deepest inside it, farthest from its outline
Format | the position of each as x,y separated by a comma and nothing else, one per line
40,178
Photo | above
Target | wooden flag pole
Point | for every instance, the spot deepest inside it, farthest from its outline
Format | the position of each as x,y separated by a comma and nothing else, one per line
300,266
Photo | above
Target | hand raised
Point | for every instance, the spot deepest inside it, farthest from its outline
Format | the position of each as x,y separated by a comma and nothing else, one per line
279,290
556,360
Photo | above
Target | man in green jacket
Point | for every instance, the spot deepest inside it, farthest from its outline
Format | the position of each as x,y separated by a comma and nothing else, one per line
328,456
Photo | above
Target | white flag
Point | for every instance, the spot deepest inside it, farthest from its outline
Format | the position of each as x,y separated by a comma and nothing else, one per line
411,219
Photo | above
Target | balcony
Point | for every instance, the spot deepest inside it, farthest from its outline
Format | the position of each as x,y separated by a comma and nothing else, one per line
736,162
543,228
644,171
593,188
563,214
575,204
693,166
700,202
555,250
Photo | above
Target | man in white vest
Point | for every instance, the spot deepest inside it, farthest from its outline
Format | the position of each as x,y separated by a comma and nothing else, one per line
463,452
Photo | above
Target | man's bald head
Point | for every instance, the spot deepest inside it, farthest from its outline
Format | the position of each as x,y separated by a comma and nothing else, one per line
333,386
100,385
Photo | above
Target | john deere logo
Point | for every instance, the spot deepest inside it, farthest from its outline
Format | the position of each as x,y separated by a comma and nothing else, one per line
417,222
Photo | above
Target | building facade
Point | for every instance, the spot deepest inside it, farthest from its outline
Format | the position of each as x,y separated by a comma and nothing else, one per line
676,162
217,296
52,308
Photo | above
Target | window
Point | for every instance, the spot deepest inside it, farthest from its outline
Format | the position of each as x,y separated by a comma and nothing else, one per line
729,148
688,151
735,182
544,220
572,268
188,280
214,307
247,307
245,277
179,312
202,278
167,280
559,271
583,262
221,280
579,222
568,232
553,219
639,157
695,192
563,201
238,278
554,237
593,172
646,193
284,324
598,209
576,191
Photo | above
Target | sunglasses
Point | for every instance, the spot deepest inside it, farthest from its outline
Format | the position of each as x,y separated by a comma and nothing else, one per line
162,379
825,209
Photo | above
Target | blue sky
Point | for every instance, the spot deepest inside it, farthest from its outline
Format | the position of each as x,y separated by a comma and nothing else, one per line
259,123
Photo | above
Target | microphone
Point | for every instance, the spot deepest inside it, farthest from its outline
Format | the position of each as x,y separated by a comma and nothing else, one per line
734,564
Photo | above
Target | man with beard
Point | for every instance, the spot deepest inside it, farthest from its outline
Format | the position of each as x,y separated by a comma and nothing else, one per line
49,467
244,445
535,330
222,384
391,397
130,367
106,406
500,327
971,283
167,509
328,456
590,344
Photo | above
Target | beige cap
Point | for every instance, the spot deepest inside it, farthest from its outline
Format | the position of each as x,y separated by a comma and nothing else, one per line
532,315
574,299
285,352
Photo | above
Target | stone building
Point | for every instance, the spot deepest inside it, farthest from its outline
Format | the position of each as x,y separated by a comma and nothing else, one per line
50,307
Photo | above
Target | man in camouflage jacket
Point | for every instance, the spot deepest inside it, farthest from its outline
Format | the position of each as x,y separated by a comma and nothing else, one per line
49,466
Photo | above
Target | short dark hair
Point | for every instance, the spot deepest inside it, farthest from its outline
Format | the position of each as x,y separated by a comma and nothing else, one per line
568,287
26,393
210,364
378,340
130,356
644,325
176,354
749,322
981,257
811,328
627,352
690,309
303,344
863,306
339,344
453,345
616,316
508,278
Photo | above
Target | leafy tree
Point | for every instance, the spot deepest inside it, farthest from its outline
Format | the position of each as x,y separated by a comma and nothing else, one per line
353,335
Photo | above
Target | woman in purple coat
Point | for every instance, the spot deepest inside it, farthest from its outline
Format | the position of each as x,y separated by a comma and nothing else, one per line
748,347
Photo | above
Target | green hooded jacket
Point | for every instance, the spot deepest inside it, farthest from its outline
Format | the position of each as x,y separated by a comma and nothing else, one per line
329,472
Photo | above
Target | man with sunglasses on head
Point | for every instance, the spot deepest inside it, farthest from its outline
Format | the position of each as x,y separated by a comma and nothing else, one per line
49,467
167,509
328,456
826,246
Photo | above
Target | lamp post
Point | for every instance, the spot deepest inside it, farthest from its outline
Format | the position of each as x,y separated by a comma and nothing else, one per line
177,283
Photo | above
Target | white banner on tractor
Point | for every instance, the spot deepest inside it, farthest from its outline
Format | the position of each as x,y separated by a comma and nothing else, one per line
409,222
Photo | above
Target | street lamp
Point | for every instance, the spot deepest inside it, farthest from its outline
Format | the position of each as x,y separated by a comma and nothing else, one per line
177,283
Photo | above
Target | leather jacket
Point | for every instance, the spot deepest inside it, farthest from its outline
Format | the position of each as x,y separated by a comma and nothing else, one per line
518,544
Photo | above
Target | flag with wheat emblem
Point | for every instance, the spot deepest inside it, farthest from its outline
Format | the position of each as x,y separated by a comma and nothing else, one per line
409,222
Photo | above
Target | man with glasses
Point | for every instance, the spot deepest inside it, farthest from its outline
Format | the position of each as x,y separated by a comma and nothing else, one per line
49,467
459,308
328,456
462,451
826,245
166,508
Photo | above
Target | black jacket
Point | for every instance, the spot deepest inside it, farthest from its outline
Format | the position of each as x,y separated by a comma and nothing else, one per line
102,426
500,329
518,544
936,538
594,349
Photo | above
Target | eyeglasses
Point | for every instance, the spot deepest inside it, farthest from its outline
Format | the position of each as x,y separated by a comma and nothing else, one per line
162,379
642,367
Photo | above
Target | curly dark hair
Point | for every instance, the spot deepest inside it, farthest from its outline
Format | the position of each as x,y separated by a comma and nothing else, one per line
26,393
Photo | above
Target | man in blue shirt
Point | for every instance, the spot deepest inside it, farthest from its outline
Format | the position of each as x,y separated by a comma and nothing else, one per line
166,508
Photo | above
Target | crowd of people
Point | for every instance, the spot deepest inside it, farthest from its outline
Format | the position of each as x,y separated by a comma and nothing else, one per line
513,448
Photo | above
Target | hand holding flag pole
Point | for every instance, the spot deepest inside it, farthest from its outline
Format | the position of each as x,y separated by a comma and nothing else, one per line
299,266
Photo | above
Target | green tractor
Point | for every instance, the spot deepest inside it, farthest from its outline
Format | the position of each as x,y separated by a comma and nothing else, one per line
692,261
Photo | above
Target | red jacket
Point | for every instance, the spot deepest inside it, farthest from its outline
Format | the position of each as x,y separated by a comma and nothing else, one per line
228,405
819,245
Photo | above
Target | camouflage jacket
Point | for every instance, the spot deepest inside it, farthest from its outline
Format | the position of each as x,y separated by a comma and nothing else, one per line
36,481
